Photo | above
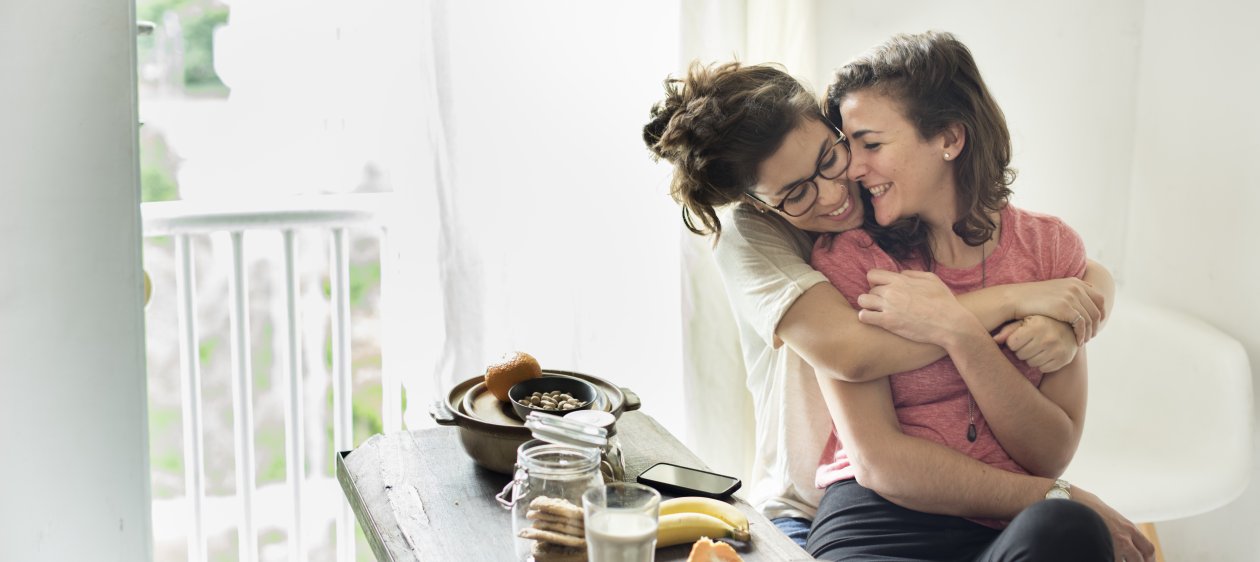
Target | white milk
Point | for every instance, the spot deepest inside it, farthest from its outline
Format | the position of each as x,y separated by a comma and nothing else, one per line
620,537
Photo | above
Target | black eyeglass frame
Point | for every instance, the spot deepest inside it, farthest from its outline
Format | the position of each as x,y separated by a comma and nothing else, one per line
841,140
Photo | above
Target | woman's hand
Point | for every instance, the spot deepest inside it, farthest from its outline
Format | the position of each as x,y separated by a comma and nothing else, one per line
1070,300
915,305
1044,343
1129,543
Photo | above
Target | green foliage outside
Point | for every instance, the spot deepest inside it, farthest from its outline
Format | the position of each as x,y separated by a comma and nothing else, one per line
271,440
363,276
206,348
198,19
199,74
157,168
171,461
271,537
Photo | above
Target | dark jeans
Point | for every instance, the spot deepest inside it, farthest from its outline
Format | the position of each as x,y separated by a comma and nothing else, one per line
854,523
795,528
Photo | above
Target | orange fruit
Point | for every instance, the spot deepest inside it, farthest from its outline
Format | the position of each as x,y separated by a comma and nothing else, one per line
511,369
706,550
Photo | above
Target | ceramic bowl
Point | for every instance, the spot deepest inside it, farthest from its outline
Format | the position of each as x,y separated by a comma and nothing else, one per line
584,392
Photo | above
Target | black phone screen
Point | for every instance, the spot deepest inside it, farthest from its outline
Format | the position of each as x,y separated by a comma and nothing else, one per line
688,481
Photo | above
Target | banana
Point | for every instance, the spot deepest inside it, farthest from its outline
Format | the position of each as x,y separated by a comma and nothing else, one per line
708,506
679,528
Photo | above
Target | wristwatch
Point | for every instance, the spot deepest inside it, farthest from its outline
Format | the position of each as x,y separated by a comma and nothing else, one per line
1061,490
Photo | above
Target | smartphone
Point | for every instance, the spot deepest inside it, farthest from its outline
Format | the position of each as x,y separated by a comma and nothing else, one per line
684,481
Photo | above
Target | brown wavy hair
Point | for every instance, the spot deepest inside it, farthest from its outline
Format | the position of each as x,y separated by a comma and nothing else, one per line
935,79
716,125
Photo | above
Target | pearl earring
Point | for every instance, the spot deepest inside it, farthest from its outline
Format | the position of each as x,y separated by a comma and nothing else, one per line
947,156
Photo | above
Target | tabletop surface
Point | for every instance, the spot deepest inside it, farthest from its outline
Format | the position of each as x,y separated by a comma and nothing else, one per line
418,496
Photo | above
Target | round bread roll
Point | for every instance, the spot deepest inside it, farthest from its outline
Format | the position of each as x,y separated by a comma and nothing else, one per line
514,368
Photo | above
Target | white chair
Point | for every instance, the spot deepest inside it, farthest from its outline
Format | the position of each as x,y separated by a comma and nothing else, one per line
1169,419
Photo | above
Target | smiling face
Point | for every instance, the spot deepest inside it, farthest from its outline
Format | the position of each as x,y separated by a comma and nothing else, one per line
905,174
807,149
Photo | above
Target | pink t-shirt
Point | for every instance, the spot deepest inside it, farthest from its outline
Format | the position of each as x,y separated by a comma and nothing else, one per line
931,402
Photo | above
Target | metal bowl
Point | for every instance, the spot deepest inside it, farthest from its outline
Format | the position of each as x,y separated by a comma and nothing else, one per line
489,429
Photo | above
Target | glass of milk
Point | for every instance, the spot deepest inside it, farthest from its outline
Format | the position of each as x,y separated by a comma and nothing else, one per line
620,520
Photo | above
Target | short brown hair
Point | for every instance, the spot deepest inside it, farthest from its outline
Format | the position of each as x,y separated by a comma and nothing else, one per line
716,125
935,79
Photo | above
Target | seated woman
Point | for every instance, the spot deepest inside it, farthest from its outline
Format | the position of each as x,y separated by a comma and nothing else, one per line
719,126
957,459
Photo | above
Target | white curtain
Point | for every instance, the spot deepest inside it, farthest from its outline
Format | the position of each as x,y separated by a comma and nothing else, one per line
530,215
556,235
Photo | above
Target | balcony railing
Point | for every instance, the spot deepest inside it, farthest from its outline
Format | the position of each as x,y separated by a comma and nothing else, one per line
333,215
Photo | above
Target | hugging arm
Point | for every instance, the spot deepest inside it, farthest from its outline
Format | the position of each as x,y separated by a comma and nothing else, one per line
1038,427
824,329
1039,339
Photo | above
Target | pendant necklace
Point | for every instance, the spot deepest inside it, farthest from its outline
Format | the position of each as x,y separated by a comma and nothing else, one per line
971,403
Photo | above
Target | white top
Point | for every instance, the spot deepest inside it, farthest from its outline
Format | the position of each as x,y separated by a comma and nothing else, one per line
763,262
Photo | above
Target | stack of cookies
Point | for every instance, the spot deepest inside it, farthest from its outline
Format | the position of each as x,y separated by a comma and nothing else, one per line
557,530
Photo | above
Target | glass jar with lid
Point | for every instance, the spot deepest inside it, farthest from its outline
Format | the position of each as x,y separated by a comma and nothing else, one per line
612,464
554,474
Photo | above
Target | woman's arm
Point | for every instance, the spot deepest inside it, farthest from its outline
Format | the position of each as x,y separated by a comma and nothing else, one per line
1062,299
1041,340
1038,428
823,329
774,290
916,473
1099,279
925,476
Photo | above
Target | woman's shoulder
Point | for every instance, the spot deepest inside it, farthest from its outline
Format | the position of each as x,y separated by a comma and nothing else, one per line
1050,242
1038,228
744,228
1032,220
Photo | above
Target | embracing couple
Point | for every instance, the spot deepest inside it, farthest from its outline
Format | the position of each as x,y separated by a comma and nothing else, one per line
913,341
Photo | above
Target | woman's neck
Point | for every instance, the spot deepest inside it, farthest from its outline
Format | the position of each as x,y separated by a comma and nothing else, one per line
950,250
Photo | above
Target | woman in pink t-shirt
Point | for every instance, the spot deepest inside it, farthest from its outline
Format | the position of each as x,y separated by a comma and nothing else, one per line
930,149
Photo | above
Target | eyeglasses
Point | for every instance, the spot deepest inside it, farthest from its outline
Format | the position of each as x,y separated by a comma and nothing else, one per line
801,198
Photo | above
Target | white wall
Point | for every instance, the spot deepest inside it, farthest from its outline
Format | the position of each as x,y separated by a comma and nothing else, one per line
74,479
1134,121
1194,205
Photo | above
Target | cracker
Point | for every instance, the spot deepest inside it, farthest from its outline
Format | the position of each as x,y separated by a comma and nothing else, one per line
535,515
556,506
552,537
565,528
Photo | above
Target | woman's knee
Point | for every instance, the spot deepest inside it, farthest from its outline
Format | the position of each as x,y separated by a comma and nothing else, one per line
1062,530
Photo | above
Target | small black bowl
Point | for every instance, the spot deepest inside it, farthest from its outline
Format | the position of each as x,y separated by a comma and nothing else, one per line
583,391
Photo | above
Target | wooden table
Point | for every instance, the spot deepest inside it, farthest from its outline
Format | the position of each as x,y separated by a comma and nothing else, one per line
418,496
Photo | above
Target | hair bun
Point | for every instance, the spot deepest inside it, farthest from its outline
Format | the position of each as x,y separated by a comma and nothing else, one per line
662,113
668,122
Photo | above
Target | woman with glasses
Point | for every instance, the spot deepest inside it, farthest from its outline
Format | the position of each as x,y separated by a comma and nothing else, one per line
750,142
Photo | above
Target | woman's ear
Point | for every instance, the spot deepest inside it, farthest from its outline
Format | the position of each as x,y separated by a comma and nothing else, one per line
761,207
953,138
